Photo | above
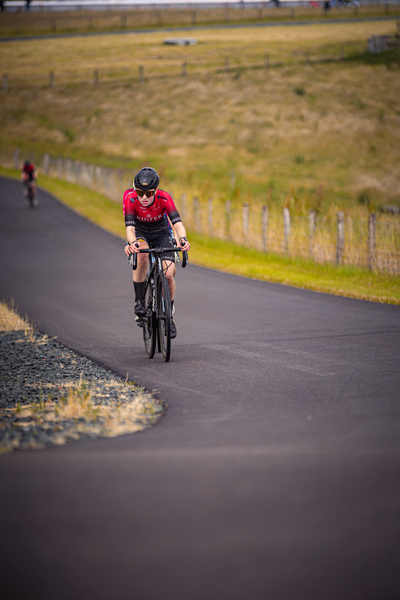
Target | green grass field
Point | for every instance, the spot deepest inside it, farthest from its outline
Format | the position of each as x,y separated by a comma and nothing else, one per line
232,258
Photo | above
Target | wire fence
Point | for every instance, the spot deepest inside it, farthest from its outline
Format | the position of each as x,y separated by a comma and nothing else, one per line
371,242
37,22
202,65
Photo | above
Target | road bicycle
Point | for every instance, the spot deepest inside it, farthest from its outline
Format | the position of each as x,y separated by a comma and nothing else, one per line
156,324
29,190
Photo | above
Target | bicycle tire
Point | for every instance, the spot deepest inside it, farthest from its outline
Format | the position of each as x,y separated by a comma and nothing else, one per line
149,323
31,196
164,316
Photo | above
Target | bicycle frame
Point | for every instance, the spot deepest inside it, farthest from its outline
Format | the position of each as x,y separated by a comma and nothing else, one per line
157,322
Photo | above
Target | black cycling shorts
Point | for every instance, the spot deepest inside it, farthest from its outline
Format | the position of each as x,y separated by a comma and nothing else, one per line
157,240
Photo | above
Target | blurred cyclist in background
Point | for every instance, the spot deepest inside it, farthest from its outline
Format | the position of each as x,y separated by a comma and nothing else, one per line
28,177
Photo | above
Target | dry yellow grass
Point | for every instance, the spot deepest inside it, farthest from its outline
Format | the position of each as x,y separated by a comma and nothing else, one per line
10,320
62,409
298,127
33,58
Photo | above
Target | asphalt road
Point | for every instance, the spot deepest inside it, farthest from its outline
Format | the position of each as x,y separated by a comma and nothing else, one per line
275,472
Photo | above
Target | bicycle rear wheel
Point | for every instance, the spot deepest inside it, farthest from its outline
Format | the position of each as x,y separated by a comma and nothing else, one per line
31,196
164,317
149,323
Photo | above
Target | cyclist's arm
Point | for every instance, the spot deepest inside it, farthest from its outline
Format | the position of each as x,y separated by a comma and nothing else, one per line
130,238
181,236
176,222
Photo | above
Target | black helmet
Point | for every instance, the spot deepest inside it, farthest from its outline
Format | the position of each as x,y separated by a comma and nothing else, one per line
146,179
27,163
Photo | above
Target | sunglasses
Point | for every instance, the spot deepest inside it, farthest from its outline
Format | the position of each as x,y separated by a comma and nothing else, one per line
147,193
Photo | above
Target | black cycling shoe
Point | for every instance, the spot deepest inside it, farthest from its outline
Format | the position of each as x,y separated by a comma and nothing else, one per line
140,310
173,329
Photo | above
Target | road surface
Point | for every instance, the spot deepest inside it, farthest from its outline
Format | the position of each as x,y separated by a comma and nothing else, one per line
275,472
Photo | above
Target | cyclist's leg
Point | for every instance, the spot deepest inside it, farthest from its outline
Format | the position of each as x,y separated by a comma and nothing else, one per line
140,273
164,241
139,276
170,271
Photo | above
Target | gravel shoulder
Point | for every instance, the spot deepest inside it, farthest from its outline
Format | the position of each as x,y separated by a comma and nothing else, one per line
49,395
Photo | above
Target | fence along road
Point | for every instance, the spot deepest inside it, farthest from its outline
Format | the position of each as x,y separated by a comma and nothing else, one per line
275,472
372,241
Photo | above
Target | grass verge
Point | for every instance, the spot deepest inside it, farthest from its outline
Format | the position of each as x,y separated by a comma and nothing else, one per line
232,258
68,399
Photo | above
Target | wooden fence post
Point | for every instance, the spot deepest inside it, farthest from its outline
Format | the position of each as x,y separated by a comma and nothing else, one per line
228,219
196,214
98,174
311,228
184,69
210,217
16,159
227,69
141,74
245,215
77,171
371,240
286,229
5,83
265,228
46,164
95,77
68,169
91,175
183,205
340,238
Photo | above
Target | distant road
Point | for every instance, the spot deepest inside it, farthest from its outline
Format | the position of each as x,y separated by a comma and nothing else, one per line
196,28
276,470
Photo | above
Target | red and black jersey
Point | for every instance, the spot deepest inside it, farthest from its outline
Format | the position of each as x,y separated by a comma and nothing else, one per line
29,171
149,218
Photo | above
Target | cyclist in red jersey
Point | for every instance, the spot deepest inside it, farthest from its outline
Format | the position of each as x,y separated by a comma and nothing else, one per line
28,176
28,171
147,210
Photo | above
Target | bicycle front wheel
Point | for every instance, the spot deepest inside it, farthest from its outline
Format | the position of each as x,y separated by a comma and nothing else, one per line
149,323
164,317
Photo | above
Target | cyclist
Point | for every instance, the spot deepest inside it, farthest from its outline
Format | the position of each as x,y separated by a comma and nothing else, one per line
28,176
147,210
